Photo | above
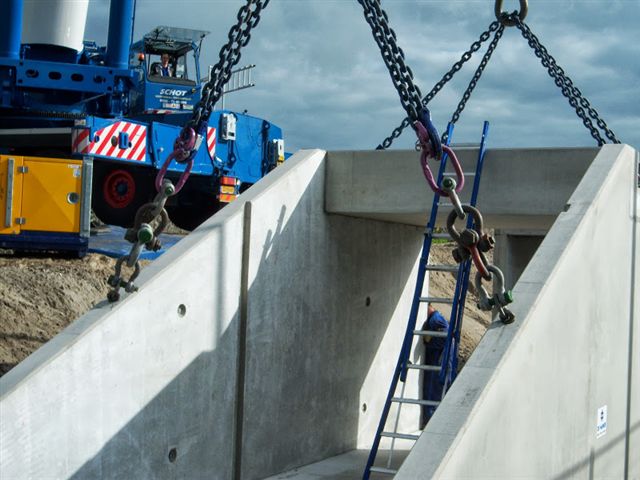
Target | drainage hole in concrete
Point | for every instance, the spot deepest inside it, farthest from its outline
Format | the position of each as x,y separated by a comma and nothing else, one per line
367,302
182,309
173,454
364,407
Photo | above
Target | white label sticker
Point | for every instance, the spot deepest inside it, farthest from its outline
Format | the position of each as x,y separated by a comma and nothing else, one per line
601,422
77,170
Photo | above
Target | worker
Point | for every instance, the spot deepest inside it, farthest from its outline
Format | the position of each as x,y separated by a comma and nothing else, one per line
433,352
164,68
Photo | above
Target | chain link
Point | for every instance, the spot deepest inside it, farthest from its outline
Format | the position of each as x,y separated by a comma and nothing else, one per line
569,90
401,75
464,58
239,36
476,76
393,57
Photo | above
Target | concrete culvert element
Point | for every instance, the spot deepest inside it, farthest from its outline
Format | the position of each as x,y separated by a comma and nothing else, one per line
279,338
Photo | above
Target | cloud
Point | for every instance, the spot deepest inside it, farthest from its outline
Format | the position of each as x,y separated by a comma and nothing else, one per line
321,78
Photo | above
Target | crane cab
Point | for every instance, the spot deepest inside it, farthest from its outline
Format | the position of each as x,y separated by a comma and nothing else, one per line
166,63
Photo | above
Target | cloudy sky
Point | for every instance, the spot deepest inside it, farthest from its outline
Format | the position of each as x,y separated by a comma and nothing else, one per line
320,76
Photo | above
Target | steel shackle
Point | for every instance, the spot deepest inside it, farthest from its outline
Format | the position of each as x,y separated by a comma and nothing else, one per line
500,298
477,220
469,240
449,186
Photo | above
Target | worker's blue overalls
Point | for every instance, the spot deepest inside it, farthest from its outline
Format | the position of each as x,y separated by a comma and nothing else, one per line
433,351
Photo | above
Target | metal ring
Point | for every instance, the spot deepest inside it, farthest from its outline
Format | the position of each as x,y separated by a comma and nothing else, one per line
504,17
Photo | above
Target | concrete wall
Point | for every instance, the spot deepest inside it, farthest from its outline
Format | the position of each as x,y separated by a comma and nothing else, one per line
514,250
520,189
294,321
115,392
526,403
327,308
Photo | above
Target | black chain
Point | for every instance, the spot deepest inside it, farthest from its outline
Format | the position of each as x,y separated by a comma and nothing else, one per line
476,76
569,90
185,148
239,36
464,58
393,57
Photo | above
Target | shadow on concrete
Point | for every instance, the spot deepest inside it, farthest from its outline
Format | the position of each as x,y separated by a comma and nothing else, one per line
588,463
309,347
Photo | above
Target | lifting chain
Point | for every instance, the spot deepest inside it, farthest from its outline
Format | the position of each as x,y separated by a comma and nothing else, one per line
569,90
466,56
472,242
239,36
401,74
476,77
185,148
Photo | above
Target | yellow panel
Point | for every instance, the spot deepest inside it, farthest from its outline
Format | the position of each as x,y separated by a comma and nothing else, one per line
15,189
51,194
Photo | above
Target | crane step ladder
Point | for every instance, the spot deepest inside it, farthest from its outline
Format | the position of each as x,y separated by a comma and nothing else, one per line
447,368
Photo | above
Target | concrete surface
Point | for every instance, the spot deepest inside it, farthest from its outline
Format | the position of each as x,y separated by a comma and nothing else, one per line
514,250
523,188
347,466
526,403
293,322
327,309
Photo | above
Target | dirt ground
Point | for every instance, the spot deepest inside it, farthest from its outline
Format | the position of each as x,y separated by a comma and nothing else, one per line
41,295
443,284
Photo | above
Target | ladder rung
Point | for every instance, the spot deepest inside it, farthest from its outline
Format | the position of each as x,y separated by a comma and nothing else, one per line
440,235
403,436
429,368
386,471
442,268
436,300
431,333
415,401
466,174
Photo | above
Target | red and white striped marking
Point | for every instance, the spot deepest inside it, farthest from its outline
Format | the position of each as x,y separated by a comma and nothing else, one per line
156,111
102,142
211,142
80,140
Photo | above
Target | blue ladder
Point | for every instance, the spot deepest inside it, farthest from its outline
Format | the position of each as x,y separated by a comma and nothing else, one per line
448,367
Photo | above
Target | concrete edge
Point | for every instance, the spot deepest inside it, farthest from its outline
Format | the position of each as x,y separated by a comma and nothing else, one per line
74,332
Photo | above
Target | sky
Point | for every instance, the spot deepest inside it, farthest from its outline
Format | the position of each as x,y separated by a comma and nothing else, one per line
320,77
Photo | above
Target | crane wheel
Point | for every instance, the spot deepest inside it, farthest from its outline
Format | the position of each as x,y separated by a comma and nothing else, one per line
118,193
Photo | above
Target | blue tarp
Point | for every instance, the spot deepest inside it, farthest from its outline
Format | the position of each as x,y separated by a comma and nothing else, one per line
113,244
